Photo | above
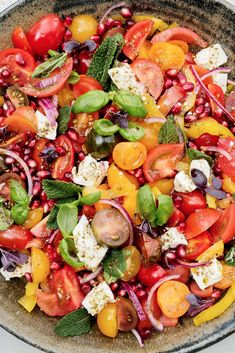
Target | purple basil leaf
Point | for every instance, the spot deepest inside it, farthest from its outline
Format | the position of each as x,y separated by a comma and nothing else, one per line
73,46
216,182
199,178
120,119
197,304
10,259
218,194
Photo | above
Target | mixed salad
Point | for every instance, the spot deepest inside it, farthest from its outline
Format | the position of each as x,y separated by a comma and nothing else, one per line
117,172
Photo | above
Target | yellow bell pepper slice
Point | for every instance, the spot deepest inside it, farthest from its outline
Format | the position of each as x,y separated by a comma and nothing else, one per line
31,288
228,185
216,309
209,125
211,201
158,24
144,50
214,250
130,203
28,302
151,106
173,25
40,265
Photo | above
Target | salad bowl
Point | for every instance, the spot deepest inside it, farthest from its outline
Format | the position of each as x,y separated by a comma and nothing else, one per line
214,21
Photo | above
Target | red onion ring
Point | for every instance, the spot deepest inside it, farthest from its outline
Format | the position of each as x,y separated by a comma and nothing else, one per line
155,120
231,82
192,264
49,81
91,276
23,164
120,4
49,109
135,301
212,72
123,212
138,337
55,100
218,150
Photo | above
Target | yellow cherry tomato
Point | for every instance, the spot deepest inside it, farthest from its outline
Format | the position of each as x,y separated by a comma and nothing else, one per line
144,50
40,265
156,192
165,186
34,217
151,131
120,180
158,24
151,106
83,27
130,203
107,320
65,95
167,55
183,45
129,155
207,125
133,261
228,185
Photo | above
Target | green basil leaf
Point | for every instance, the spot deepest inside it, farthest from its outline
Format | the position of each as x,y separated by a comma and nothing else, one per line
67,256
115,264
76,323
91,198
55,189
5,218
105,127
63,119
168,132
130,103
133,133
90,102
44,69
146,204
164,210
230,257
195,154
52,220
18,193
67,219
19,213
74,78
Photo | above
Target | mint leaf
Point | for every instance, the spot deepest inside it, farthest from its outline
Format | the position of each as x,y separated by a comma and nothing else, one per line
5,218
74,78
63,119
195,154
115,264
76,323
168,132
164,210
146,204
55,62
55,189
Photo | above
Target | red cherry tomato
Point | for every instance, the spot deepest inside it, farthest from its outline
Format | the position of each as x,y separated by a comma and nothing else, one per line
191,201
86,84
176,218
224,227
207,140
197,245
183,272
206,293
66,294
135,37
37,150
88,211
47,33
58,80
63,164
227,166
161,161
149,275
15,238
200,221
150,75
179,33
170,97
218,93
20,40
19,73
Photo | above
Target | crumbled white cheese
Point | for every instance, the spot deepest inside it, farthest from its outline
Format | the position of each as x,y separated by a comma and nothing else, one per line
211,57
90,172
19,271
202,165
88,249
97,298
183,182
45,129
221,79
206,276
172,238
124,78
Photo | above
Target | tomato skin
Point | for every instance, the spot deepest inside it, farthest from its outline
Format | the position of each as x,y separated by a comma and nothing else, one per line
40,230
197,245
218,93
170,97
63,164
37,150
191,201
183,272
15,237
133,262
86,84
206,293
207,140
129,155
135,37
150,274
176,218
161,161
200,221
46,34
20,40
224,227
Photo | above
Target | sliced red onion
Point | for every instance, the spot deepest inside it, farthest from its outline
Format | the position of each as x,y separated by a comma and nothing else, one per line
156,323
49,81
49,109
215,71
155,120
135,301
211,95
197,304
91,276
55,100
123,212
192,264
52,236
218,194
138,337
231,82
218,150
119,4
23,164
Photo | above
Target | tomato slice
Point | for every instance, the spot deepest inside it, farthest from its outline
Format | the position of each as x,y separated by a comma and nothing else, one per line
20,73
52,84
149,275
86,84
150,75
224,227
176,218
15,238
183,272
170,97
20,40
63,164
161,161
197,245
191,201
179,33
227,166
22,120
41,230
37,150
200,221
206,293
218,93
135,37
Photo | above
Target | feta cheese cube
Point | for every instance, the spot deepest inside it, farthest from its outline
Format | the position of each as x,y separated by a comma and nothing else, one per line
90,172
211,57
88,249
97,298
45,129
206,276
172,238
19,271
221,79
202,165
183,182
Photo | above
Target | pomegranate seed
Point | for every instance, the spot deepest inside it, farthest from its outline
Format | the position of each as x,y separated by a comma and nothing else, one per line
114,286
182,78
67,35
1,110
133,280
45,207
199,101
68,20
119,199
109,23
206,112
138,172
31,163
126,12
176,109
10,111
55,265
225,123
43,196
172,73
51,203
200,109
188,87
181,226
135,288
15,169
177,199
122,293
27,150
190,117
217,113
96,38
168,83
6,73
9,160
43,174
32,170
181,250
233,129
141,294
19,59
37,188
81,156
22,176
35,204
72,134
32,143
100,29
34,105
3,84
60,151
117,23
171,256
28,277
68,175
141,180
216,294
129,24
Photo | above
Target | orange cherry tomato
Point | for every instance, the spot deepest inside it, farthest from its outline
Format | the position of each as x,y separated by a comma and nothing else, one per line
150,138
167,56
17,123
183,45
129,155
120,180
107,320
34,217
65,95
133,262
83,27
228,273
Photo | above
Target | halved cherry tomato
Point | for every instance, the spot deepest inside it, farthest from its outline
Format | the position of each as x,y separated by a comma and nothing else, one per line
150,138
83,123
5,184
20,40
161,161
150,75
63,164
132,257
182,44
167,55
176,218
40,265
197,245
206,293
183,272
200,221
34,217
23,119
58,79
228,273
227,166
37,150
88,211
207,140
218,93
46,34
66,95
135,37
15,237
107,320
179,33
20,74
129,155
170,97
66,294
150,274
121,180
86,84
224,227
191,201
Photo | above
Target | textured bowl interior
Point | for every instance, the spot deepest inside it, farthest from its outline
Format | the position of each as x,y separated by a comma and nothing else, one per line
215,22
